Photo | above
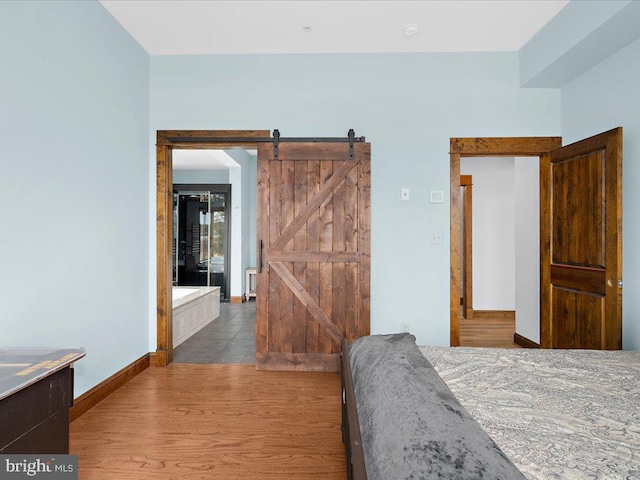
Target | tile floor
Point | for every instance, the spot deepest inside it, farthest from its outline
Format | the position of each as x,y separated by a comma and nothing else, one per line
230,338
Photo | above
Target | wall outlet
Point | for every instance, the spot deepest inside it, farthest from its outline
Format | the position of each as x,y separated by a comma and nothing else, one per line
404,194
404,327
436,237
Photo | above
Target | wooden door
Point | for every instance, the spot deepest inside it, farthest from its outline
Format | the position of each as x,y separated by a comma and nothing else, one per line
313,253
581,244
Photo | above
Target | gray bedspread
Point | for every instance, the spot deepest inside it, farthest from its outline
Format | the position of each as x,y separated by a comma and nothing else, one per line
411,424
557,414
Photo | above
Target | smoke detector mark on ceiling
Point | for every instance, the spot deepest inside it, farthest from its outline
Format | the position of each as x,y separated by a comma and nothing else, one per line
410,29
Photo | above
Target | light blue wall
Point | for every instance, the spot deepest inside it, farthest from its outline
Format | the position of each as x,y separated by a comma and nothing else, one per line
74,137
580,36
606,97
407,105
201,176
247,241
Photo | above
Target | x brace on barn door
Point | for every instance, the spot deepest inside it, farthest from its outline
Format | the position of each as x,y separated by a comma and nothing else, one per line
276,139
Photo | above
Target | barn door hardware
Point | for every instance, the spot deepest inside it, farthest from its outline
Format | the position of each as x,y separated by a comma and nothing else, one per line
350,138
276,140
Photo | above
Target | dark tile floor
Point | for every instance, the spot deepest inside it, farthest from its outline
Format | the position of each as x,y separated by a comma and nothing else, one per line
230,338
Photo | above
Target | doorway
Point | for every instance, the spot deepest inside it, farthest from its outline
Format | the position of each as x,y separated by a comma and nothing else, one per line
167,142
580,236
479,147
289,298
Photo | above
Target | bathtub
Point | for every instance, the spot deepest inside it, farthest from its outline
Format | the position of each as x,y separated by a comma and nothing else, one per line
193,308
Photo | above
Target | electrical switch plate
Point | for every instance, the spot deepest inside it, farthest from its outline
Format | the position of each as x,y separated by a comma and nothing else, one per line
436,238
404,194
436,196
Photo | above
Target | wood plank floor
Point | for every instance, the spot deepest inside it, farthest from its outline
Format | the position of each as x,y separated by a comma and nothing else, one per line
228,421
214,422
496,332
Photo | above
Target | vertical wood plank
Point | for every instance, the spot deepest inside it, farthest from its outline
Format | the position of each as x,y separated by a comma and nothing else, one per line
164,261
338,272
287,321
363,155
313,244
454,286
262,278
351,219
326,244
275,216
300,268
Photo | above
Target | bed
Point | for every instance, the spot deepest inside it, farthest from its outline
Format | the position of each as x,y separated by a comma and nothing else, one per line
414,412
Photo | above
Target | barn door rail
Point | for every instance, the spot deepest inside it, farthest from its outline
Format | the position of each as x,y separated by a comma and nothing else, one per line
276,139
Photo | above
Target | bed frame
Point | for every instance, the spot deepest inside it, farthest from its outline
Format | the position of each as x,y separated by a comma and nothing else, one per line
351,438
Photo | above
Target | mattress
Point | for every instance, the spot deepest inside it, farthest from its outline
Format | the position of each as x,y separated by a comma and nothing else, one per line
557,414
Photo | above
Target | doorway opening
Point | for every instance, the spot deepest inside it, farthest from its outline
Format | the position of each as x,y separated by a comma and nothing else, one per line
211,216
460,286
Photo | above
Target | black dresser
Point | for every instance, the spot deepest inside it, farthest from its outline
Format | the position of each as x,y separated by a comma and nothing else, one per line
36,392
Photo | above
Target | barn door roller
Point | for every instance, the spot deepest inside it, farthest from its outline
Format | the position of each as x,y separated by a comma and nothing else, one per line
276,140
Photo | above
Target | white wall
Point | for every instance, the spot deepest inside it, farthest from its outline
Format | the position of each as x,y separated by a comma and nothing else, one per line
74,188
527,246
493,232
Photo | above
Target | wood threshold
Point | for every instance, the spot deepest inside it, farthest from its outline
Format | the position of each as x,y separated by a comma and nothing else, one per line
506,314
236,299
524,342
93,396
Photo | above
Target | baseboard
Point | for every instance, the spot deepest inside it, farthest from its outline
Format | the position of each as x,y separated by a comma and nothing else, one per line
239,299
506,314
92,397
524,342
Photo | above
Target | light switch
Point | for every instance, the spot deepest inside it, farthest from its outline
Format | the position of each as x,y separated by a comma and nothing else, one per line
404,194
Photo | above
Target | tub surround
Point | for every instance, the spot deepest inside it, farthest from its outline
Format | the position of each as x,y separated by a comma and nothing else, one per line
193,308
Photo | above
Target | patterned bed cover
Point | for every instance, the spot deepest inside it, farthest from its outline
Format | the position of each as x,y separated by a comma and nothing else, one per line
557,414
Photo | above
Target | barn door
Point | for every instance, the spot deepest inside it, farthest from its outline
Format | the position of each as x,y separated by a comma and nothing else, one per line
313,253
581,244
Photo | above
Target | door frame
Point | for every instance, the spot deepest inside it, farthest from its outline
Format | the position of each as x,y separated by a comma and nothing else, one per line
479,147
166,142
466,181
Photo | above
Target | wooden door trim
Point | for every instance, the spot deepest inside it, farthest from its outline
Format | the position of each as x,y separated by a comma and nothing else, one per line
480,147
467,182
164,218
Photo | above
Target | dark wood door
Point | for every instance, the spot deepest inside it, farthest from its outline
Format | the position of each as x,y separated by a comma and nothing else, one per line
313,244
581,244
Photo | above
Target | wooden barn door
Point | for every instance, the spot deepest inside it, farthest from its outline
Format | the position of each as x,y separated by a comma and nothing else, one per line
581,244
313,253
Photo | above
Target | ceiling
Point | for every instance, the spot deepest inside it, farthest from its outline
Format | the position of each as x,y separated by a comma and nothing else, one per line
186,27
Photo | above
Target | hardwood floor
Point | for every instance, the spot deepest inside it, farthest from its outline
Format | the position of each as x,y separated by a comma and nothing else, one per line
487,332
228,421
214,421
